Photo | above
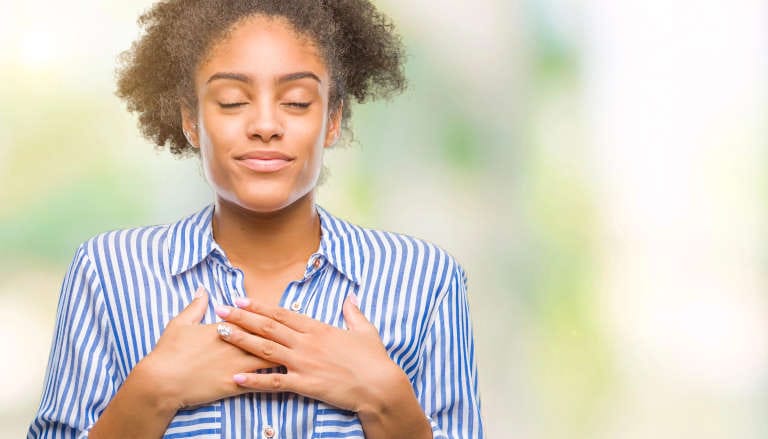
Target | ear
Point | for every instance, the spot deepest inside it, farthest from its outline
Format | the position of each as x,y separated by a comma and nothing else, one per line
189,126
334,126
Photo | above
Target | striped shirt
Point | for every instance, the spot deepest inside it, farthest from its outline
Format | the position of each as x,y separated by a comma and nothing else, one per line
123,287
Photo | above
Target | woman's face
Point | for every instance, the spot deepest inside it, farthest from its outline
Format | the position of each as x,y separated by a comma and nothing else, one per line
263,118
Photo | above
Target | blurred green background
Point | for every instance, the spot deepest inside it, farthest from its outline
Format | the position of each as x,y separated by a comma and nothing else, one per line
599,168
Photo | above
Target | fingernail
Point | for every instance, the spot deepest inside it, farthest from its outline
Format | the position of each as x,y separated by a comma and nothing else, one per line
353,298
242,301
222,311
200,291
239,378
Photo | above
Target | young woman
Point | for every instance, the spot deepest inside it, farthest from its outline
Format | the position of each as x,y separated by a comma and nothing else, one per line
262,315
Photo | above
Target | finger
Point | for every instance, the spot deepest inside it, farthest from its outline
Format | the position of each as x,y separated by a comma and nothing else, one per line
252,363
353,317
293,320
258,324
261,347
266,382
195,311
244,361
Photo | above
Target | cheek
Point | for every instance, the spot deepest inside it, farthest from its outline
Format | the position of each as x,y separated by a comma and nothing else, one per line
223,130
209,162
214,153
308,132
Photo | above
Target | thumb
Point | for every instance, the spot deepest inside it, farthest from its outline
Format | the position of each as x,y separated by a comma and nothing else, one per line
195,311
353,317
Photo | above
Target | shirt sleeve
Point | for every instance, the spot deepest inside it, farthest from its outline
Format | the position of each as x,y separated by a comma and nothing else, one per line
80,377
447,385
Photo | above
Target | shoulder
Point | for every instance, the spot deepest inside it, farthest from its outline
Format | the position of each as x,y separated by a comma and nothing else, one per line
397,256
99,261
146,243
122,242
425,260
400,245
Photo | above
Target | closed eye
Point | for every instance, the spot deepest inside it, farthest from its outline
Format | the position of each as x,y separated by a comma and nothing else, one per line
298,104
231,105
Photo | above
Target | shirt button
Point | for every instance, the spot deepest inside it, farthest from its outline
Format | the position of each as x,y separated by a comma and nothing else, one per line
317,263
296,306
269,432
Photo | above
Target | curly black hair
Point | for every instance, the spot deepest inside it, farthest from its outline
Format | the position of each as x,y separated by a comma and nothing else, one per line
155,76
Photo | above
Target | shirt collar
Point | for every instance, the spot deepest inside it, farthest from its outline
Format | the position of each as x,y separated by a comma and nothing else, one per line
191,241
339,244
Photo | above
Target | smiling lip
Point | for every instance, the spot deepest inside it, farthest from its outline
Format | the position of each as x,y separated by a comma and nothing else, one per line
265,161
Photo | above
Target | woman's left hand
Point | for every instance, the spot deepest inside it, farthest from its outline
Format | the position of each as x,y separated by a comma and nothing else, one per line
348,369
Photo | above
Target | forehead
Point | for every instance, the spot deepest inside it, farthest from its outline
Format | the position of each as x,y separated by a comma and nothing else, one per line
263,48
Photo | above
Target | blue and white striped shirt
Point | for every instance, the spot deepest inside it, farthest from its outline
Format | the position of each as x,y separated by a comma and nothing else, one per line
123,287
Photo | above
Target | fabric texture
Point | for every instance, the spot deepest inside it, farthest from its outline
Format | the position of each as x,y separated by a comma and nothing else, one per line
124,286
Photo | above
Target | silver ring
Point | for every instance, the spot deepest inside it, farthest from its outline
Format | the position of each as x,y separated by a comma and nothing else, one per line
224,330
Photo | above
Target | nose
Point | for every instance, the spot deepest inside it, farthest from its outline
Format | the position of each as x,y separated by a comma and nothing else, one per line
264,124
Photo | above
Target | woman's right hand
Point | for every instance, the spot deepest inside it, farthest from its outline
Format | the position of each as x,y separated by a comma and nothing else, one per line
191,365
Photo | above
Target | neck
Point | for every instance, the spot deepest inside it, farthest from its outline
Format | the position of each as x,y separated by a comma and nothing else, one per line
267,241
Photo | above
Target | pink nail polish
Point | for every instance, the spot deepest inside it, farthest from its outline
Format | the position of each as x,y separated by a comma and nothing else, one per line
242,301
199,292
222,311
353,298
239,378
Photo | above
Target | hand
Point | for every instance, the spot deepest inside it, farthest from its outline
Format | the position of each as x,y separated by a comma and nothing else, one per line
190,365
349,369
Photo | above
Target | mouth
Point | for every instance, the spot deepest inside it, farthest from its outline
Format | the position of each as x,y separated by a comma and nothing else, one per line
265,161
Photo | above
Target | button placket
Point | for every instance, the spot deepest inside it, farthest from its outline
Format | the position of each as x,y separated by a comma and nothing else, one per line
222,274
315,262
297,302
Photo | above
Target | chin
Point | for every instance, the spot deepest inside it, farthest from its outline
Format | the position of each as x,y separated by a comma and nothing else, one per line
268,201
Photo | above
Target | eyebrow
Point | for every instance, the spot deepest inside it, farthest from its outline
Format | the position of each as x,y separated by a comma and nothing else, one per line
247,79
298,75
227,75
